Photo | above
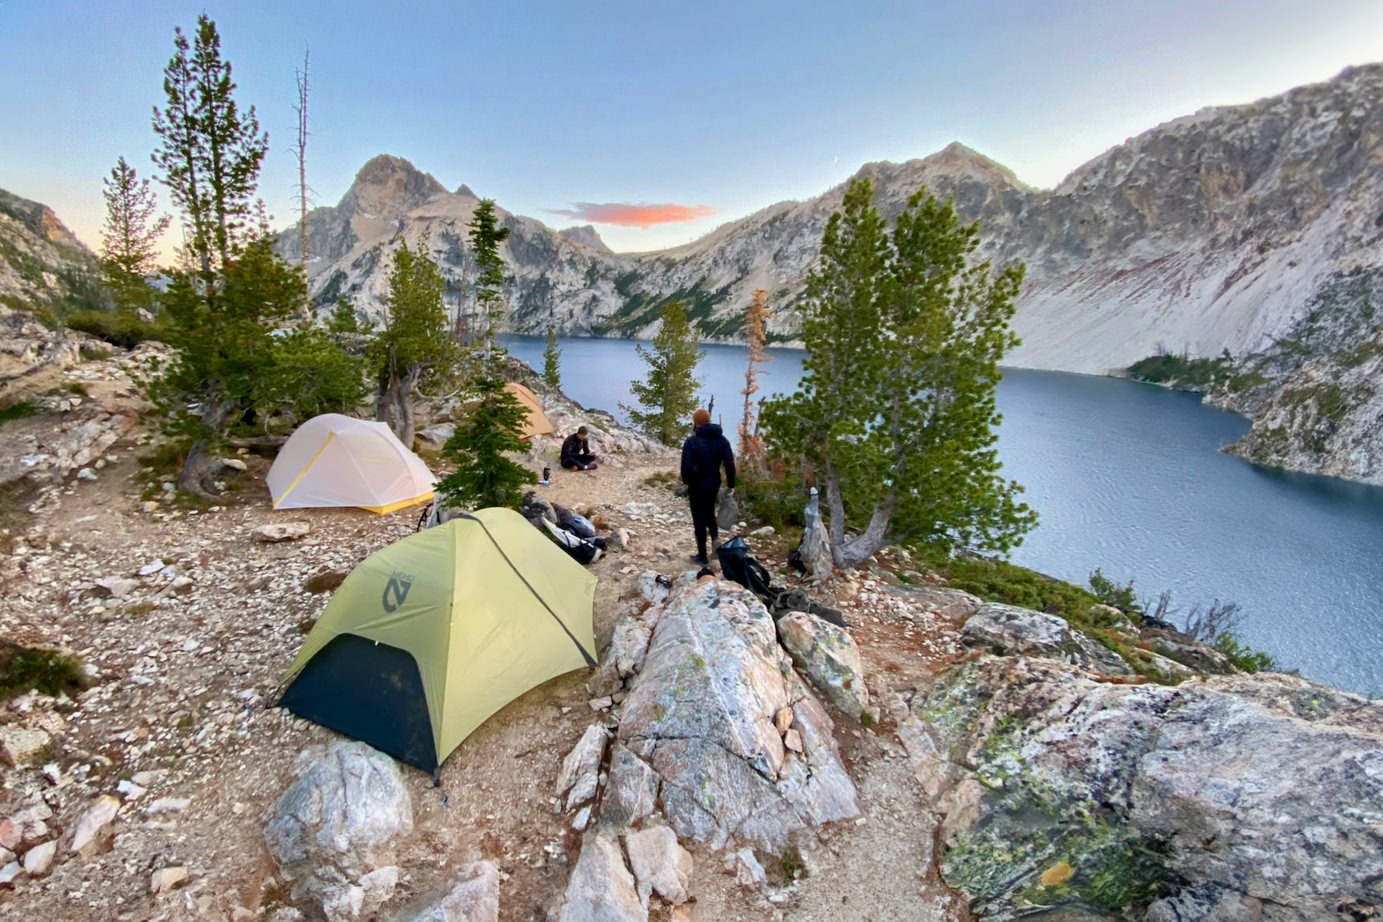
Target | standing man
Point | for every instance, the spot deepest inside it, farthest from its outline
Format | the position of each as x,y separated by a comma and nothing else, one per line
576,452
702,456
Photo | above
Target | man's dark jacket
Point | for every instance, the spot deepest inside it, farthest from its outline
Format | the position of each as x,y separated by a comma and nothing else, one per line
575,450
702,455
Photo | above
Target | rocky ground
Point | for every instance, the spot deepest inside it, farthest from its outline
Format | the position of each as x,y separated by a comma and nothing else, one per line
185,624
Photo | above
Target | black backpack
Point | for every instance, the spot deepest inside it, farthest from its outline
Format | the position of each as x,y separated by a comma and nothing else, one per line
736,565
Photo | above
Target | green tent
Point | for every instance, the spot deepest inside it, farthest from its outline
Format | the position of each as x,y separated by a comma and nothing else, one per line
431,635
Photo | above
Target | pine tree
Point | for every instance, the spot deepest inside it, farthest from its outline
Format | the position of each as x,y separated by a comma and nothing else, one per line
552,361
896,407
413,348
343,319
751,447
486,236
484,476
225,362
129,236
668,394
210,153
232,290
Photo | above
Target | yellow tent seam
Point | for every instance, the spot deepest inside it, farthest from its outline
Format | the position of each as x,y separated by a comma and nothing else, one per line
303,472
391,507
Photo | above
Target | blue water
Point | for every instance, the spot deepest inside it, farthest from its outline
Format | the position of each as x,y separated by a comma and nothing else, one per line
1130,478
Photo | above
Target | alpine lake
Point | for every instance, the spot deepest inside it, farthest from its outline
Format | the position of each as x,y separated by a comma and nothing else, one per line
1128,478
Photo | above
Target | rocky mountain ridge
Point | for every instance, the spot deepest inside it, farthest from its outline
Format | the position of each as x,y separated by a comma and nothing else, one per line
1207,233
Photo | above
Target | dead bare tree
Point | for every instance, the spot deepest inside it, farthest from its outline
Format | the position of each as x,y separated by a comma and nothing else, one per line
301,150
755,318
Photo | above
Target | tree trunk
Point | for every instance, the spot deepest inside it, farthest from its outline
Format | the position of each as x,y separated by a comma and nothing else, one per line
198,474
849,554
394,405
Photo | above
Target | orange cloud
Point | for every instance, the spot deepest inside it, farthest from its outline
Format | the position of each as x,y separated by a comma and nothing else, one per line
628,214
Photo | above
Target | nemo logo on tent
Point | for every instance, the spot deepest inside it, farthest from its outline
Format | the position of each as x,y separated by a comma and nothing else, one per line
396,590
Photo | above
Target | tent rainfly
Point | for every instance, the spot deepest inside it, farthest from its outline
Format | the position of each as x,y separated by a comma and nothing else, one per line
336,460
537,422
431,635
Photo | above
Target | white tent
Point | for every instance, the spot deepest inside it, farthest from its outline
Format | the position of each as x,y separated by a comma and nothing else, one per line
335,460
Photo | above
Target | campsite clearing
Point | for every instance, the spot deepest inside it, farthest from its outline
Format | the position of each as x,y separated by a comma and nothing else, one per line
184,664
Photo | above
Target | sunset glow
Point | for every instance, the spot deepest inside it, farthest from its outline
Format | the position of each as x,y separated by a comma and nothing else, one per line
628,214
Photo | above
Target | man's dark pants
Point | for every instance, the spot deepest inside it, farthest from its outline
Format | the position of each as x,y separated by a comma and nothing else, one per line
703,510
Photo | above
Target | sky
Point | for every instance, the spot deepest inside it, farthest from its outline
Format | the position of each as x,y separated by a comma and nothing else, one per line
656,121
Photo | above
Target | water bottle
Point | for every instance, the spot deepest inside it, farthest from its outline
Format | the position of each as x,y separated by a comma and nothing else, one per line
547,477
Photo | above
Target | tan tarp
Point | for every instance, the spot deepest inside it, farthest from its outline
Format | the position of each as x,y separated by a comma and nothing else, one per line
538,423
486,605
336,460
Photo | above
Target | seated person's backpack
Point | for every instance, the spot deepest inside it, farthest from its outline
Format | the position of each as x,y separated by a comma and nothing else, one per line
738,566
582,550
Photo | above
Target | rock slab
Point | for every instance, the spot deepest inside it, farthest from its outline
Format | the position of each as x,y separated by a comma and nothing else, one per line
702,714
337,824
1236,798
828,657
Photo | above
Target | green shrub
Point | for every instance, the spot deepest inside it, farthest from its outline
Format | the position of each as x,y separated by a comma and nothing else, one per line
17,410
123,328
1001,581
1244,658
774,499
25,668
1181,372
1111,593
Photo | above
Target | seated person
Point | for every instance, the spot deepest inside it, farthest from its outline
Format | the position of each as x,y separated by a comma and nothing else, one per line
576,452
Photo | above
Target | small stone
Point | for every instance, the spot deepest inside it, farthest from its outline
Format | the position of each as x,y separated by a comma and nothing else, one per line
793,740
766,531
145,779
275,532
115,586
583,818
152,567
20,747
169,805
601,704
39,859
11,834
96,817
579,776
34,832
129,790
783,720
660,864
9,872
748,871
181,585
165,879
53,773
325,581
149,505
235,464
86,473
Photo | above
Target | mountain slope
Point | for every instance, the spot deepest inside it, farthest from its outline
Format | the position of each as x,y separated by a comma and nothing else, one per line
41,263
